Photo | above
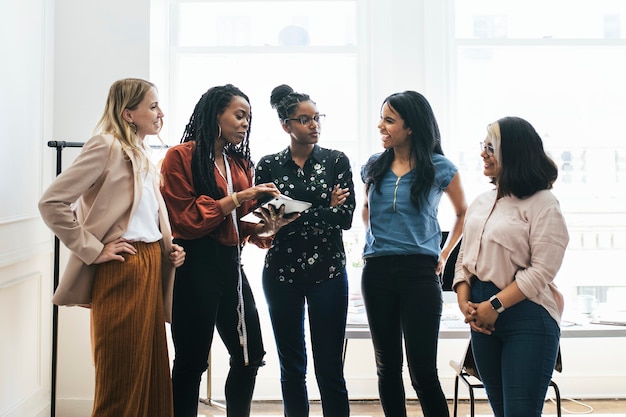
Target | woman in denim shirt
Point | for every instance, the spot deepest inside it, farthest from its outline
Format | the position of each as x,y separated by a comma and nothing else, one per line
400,282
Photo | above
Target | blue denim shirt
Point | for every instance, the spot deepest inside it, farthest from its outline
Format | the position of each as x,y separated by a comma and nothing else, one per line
396,227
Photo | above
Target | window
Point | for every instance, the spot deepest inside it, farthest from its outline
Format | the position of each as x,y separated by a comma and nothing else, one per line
557,64
313,46
257,45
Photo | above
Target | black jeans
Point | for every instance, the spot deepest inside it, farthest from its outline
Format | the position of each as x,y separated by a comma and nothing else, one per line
402,296
327,307
205,297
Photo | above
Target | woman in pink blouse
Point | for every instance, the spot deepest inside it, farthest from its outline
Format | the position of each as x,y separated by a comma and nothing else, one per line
514,242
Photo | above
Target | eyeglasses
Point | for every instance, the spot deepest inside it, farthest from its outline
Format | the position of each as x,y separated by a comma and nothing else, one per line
489,149
306,120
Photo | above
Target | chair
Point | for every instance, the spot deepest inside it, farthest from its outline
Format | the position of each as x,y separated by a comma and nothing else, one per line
468,374
447,275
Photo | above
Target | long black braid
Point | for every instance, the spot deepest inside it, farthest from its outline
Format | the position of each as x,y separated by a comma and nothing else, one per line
286,101
203,129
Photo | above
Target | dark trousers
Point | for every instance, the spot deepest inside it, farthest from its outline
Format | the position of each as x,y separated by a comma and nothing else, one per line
516,361
205,297
327,306
402,296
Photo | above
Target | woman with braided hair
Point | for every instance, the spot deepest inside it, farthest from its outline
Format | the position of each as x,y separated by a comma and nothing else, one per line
207,186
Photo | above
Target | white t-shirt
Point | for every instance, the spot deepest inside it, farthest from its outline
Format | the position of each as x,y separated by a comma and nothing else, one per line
144,224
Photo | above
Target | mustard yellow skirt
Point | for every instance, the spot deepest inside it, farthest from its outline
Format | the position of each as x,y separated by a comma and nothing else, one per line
128,337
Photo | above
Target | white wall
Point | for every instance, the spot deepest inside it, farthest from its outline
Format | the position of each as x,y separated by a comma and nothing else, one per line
25,100
96,43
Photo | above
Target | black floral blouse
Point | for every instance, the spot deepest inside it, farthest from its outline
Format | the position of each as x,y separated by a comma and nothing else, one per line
310,249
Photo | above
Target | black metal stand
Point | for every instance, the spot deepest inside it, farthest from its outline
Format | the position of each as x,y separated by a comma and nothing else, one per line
59,145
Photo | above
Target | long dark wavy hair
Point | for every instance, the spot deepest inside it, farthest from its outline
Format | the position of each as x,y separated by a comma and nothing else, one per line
525,168
425,140
204,130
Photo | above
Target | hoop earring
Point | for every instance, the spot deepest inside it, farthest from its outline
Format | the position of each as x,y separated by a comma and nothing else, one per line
219,131
133,127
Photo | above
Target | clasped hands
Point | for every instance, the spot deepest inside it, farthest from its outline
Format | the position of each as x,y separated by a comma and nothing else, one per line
480,316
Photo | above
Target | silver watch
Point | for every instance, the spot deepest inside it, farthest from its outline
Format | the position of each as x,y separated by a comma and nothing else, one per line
496,304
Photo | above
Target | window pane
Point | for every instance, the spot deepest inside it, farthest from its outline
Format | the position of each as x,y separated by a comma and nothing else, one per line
332,76
580,122
536,19
257,45
279,23
574,97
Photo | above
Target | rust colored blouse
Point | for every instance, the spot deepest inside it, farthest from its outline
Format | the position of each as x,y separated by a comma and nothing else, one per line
195,216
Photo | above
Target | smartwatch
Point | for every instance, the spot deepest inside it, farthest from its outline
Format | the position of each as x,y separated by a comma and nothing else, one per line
496,304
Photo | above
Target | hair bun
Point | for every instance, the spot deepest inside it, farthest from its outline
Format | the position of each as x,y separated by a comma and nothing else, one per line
279,93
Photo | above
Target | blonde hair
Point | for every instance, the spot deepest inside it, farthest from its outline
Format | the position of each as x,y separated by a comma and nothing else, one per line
124,94
493,131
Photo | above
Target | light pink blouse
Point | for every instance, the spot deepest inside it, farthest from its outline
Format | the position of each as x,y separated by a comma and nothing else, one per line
515,239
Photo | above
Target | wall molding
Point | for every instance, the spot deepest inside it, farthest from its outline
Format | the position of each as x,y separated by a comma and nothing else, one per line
14,257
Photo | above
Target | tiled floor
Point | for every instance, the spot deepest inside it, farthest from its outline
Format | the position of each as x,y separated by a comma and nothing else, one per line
372,408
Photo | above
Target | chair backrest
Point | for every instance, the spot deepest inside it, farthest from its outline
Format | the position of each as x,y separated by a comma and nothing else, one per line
558,365
448,272
469,365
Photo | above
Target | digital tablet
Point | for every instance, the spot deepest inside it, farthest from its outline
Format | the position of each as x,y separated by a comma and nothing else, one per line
291,206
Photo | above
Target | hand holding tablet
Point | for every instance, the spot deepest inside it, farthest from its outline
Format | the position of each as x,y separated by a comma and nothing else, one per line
291,206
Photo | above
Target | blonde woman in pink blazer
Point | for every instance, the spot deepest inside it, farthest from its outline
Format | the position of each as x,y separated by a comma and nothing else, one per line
107,209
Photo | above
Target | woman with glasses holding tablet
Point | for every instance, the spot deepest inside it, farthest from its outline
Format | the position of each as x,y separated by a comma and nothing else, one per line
306,263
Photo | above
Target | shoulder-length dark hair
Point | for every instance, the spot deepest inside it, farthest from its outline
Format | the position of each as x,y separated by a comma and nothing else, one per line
425,140
204,130
525,168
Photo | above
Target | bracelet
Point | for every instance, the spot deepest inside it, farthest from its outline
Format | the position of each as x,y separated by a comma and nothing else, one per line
235,200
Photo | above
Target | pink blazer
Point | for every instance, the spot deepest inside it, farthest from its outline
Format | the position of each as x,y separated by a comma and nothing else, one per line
89,205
